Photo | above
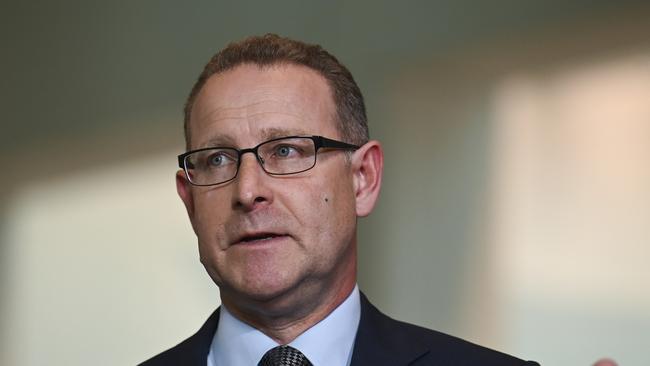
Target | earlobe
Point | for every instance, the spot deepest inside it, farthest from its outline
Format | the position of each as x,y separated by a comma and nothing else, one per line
368,165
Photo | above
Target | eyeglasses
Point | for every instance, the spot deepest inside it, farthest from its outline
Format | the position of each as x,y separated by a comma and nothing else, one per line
280,156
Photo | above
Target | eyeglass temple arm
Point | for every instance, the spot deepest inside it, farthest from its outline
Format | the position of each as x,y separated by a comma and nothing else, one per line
181,161
325,142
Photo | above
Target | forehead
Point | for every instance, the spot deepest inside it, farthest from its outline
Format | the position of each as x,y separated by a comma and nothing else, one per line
249,103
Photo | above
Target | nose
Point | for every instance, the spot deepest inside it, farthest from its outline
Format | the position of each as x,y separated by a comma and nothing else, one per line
251,185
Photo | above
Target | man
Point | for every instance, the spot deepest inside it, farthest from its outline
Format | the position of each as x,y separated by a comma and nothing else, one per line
278,169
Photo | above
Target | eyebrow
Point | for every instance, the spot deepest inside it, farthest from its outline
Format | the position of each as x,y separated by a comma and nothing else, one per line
266,134
218,141
276,132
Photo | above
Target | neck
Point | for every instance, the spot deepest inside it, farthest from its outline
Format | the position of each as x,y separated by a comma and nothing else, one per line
285,318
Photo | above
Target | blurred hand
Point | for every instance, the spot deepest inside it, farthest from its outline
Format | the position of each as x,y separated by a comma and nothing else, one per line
605,362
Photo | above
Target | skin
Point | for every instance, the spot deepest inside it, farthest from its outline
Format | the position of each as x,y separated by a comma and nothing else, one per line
283,285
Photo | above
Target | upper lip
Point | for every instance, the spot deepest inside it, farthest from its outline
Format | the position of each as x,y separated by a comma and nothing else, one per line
254,235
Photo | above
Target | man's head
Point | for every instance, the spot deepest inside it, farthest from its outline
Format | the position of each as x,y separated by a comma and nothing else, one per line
277,244
271,49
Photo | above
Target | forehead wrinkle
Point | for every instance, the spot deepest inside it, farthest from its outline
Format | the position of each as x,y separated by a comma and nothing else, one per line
253,107
261,91
273,118
249,110
271,121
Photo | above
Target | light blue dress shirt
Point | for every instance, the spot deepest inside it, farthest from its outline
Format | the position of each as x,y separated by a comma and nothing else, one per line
328,343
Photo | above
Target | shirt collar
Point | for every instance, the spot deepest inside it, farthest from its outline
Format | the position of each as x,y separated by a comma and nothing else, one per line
329,342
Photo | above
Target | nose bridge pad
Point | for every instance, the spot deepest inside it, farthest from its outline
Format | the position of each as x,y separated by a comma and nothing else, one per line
259,159
250,191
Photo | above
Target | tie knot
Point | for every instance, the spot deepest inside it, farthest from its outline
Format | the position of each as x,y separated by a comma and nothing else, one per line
284,356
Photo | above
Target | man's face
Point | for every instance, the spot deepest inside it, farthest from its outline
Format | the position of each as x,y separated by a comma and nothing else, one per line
263,236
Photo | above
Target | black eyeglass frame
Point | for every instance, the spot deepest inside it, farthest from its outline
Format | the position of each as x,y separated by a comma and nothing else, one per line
319,142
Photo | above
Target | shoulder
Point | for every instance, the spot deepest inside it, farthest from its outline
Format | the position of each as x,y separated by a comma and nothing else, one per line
404,343
192,351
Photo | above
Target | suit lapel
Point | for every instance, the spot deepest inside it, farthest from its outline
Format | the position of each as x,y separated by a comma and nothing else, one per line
381,340
196,348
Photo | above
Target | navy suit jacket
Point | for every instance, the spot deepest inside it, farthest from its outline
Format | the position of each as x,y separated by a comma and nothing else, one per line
380,341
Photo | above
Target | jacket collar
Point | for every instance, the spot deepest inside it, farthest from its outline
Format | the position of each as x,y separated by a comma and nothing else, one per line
382,341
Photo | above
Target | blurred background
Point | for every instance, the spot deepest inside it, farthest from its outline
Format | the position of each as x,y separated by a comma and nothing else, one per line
516,205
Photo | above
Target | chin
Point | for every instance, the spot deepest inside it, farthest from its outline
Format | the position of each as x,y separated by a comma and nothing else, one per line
275,294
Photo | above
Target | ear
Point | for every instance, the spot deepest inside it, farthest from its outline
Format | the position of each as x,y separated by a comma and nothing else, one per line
367,166
184,189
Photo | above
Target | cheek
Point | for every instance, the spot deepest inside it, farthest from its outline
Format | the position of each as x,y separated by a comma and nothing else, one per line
334,209
209,225
336,230
209,203
209,217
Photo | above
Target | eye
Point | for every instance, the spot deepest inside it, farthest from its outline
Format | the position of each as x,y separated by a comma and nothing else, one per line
219,159
216,159
284,151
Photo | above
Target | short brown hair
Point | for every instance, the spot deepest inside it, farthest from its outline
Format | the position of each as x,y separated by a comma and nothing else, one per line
271,49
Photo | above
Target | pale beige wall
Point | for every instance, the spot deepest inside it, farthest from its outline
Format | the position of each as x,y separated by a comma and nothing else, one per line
515,212
571,220
103,268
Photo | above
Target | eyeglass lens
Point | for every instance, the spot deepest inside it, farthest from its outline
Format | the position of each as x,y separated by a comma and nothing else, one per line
282,156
